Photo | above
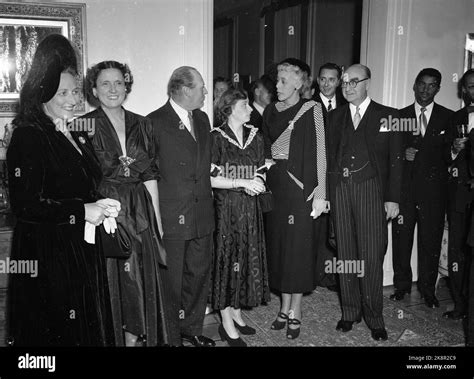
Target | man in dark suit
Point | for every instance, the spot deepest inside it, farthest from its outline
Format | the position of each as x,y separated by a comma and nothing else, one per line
469,89
460,198
365,167
424,189
329,93
262,91
182,135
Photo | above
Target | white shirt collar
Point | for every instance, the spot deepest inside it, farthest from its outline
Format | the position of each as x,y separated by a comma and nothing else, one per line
181,112
429,109
258,108
325,100
362,107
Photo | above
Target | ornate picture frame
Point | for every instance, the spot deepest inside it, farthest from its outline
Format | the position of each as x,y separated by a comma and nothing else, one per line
22,27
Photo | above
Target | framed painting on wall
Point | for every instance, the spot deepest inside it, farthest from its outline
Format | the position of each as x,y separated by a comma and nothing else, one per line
22,27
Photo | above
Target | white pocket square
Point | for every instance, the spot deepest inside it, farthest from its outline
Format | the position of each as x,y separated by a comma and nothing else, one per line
442,132
384,129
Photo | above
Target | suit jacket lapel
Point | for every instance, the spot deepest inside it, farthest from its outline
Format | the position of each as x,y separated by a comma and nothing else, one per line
432,123
345,123
413,140
373,124
200,139
176,128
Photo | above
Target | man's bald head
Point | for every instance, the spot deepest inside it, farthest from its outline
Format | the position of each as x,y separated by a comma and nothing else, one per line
359,75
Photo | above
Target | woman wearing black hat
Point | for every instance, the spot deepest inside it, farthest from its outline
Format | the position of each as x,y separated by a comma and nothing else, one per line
293,129
53,176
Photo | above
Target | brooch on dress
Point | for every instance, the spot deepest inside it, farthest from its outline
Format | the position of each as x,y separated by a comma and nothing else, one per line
126,162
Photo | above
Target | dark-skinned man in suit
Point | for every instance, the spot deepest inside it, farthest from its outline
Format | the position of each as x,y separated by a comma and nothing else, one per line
424,190
182,135
460,196
469,89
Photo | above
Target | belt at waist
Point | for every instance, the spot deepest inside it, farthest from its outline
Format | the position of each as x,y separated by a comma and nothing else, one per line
121,181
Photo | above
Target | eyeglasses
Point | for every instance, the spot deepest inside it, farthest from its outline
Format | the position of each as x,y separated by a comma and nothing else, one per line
352,83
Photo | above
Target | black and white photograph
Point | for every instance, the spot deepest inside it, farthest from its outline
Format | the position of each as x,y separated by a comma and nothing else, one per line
293,179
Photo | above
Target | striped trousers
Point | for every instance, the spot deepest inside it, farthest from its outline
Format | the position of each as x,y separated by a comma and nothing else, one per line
361,235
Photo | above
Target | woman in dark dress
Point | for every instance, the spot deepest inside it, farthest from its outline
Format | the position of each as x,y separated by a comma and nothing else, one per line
239,268
123,143
294,138
53,176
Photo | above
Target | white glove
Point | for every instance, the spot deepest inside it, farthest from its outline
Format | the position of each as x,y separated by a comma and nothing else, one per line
110,225
112,206
89,233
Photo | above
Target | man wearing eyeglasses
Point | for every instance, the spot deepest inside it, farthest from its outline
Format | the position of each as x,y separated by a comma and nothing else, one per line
365,167
424,190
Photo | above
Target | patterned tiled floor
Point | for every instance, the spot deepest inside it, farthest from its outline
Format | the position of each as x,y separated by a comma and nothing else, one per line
408,322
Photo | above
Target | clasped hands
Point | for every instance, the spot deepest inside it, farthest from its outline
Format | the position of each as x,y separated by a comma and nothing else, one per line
253,186
103,211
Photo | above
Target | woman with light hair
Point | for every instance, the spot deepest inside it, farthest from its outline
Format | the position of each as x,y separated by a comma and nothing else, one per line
293,131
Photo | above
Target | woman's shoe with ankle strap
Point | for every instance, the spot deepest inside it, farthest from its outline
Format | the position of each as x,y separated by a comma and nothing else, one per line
293,333
278,325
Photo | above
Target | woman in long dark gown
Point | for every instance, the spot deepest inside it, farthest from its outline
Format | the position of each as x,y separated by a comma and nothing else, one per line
294,138
53,176
123,143
239,268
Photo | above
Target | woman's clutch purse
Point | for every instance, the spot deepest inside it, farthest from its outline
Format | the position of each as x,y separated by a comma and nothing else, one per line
332,234
265,198
117,244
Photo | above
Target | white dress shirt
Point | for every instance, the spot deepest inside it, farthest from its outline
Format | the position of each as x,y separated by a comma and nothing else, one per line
470,121
182,113
429,110
259,108
362,108
325,101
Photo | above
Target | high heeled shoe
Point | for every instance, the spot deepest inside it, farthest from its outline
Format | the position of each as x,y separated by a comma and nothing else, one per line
233,342
245,330
292,334
278,325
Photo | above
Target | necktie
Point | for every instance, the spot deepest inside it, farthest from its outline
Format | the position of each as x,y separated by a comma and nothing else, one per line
329,105
423,121
191,124
357,118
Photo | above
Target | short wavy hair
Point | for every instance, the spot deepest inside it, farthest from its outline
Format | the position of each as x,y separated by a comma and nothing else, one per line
227,101
181,77
94,72
302,75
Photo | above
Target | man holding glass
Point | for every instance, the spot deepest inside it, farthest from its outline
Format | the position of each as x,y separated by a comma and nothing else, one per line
460,198
424,189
